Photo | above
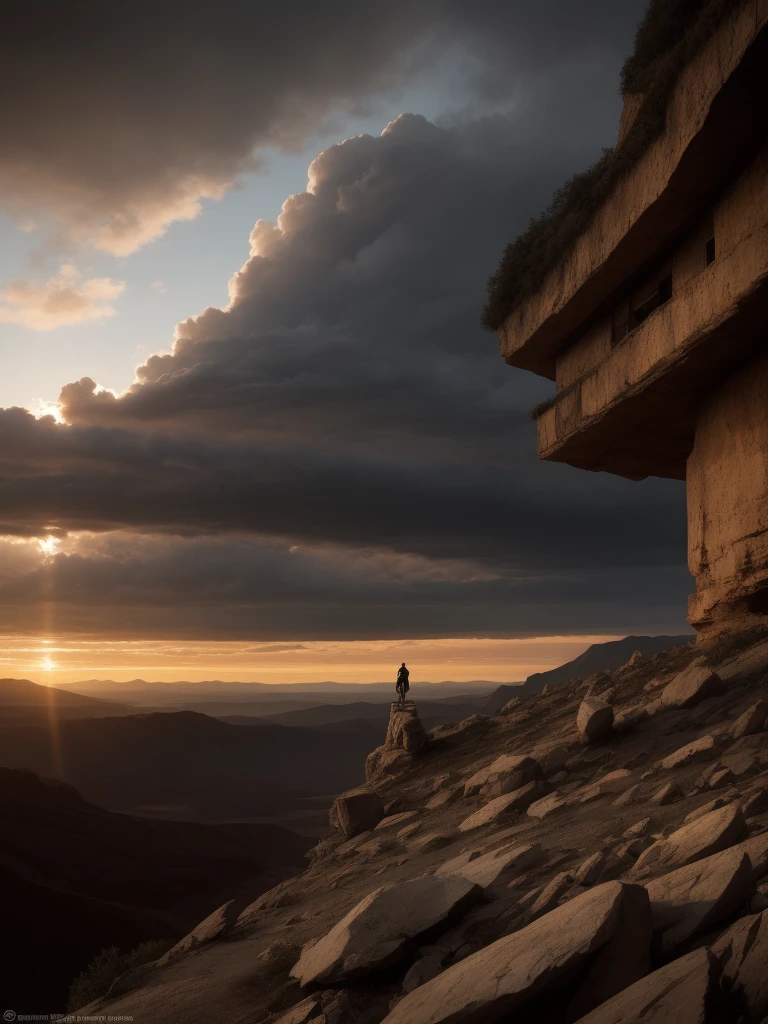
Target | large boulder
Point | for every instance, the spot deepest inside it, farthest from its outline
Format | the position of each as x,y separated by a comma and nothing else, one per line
560,948
752,721
486,869
700,896
700,838
377,932
691,686
356,811
594,719
698,750
502,806
506,774
743,956
385,760
685,991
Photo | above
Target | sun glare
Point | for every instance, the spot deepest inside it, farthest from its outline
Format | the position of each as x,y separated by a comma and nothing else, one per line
48,545
47,664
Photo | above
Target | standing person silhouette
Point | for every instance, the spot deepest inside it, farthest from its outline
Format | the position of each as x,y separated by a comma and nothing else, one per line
402,686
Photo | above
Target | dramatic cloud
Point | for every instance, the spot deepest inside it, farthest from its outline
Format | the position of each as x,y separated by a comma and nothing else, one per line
341,452
62,301
121,118
238,588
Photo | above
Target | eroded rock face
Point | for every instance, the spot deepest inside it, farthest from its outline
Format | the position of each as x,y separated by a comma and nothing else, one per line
699,896
405,729
594,720
505,805
743,955
691,686
700,838
485,869
698,750
685,991
506,774
357,811
752,721
512,971
376,933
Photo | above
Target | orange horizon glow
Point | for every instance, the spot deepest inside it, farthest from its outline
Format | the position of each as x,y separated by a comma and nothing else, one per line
61,661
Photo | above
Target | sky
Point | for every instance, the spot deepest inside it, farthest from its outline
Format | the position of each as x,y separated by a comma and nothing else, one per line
246,396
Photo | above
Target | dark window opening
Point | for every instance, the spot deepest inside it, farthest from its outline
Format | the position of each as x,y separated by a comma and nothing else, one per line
662,294
709,251
641,304
757,603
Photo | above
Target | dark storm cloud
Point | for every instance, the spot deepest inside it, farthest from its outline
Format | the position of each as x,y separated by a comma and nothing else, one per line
236,588
342,452
119,117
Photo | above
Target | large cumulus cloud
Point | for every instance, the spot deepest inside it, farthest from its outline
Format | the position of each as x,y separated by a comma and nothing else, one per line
341,451
120,118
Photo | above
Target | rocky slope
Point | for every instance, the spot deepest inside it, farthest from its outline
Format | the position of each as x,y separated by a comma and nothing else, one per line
596,854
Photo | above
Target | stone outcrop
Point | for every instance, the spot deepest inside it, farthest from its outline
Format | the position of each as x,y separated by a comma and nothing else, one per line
506,774
520,800
594,720
751,721
486,869
700,838
357,811
405,729
510,973
376,933
687,991
742,953
700,896
698,750
691,686
405,735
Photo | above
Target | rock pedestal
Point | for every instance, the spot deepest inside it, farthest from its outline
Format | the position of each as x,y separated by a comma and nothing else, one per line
405,735
405,729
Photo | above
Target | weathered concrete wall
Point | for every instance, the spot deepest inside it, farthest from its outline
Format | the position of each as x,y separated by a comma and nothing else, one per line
728,500
591,429
649,204
587,353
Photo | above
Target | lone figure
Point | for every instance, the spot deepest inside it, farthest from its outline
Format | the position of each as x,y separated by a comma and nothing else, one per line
402,686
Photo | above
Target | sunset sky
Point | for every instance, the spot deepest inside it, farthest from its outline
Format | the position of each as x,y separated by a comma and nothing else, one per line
246,398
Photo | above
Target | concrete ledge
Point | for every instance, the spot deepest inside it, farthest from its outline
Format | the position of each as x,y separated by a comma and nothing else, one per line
721,94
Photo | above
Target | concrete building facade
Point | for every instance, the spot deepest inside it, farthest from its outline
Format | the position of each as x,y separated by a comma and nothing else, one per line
654,324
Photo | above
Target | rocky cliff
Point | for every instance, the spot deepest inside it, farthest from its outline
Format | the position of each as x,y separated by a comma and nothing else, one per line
595,854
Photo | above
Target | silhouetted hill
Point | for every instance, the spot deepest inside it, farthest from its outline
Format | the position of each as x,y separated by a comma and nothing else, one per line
597,658
76,878
23,700
205,765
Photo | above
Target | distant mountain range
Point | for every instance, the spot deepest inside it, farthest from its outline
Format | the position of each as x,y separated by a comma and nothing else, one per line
22,699
152,760
76,878
597,658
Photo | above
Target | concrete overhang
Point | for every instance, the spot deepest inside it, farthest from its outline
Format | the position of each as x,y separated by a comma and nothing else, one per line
715,121
634,414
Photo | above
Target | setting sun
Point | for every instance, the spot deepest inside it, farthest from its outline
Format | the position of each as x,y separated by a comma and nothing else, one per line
49,545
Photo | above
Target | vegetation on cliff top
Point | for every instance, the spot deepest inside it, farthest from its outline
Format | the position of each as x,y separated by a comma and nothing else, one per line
667,39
